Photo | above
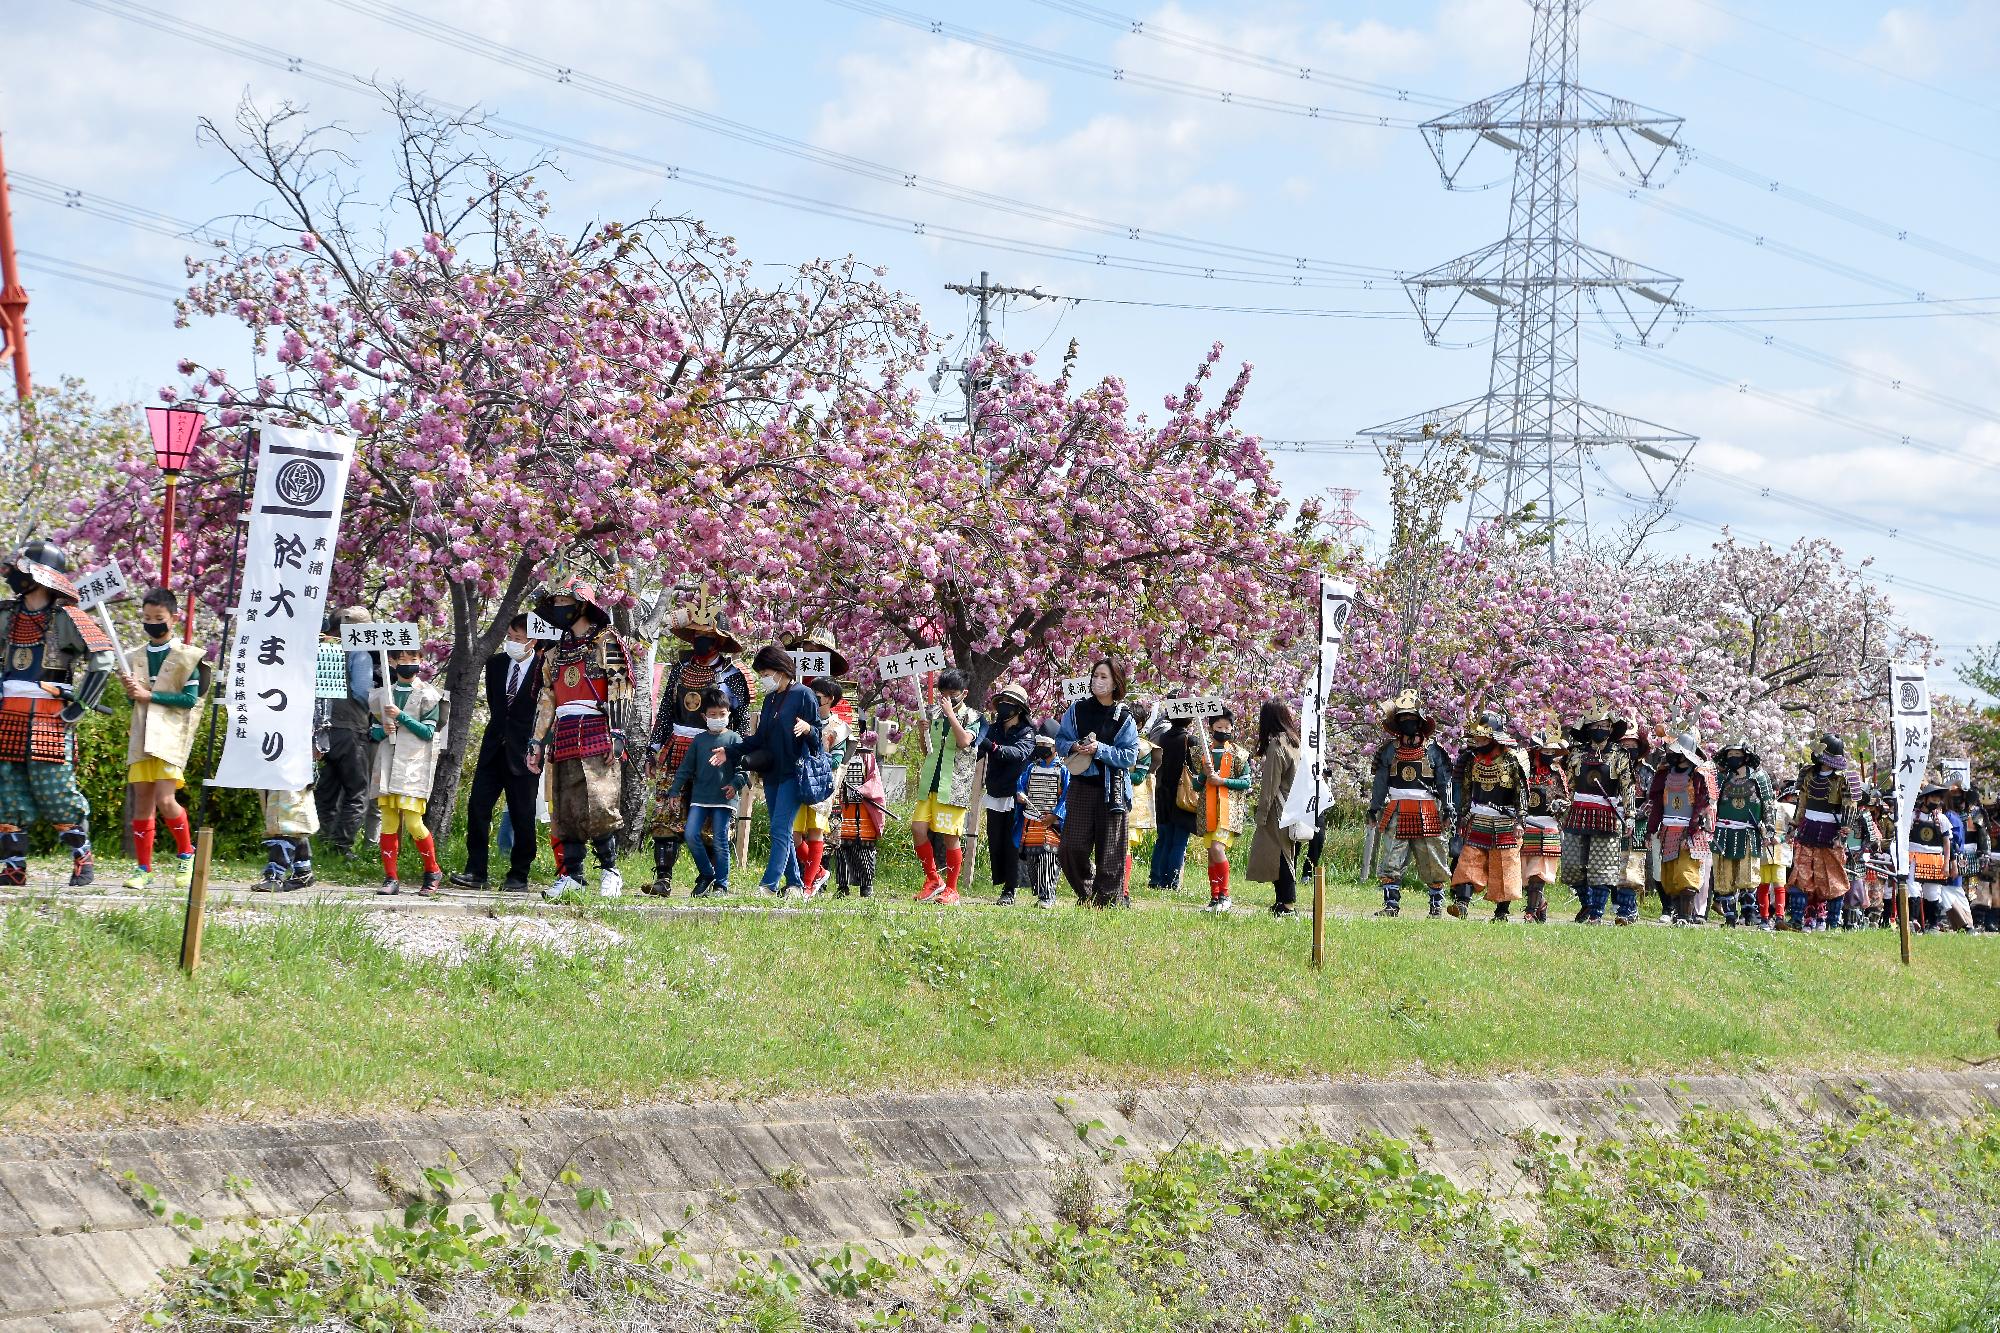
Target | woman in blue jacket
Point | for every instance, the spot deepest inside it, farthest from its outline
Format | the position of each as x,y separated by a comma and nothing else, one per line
1100,742
787,730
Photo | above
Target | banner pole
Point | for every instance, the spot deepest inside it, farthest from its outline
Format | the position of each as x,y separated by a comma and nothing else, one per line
1319,914
1903,916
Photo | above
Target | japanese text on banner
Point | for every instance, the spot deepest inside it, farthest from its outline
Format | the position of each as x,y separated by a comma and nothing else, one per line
1910,721
1308,794
287,563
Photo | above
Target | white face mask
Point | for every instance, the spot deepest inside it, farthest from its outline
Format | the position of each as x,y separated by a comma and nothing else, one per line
517,649
717,723
768,682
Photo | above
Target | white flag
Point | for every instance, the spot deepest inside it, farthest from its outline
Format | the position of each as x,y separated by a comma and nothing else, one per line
1308,796
1910,728
287,561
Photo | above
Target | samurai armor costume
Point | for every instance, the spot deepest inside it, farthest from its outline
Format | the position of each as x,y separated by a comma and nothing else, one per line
1594,836
1410,804
1680,810
1494,784
1043,796
1745,807
58,648
1824,806
1546,803
863,810
587,679
290,820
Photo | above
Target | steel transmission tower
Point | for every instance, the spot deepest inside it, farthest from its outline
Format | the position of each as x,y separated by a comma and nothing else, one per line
1531,433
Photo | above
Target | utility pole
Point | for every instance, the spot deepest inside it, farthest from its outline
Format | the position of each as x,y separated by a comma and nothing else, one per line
13,298
1531,432
985,292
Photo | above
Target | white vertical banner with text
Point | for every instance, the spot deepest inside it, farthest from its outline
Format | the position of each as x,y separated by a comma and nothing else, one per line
1308,796
287,562
1910,729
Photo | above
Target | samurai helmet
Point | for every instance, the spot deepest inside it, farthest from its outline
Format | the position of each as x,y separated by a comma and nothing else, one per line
1550,738
1406,701
1829,751
1750,758
1599,714
47,564
1688,746
700,617
1489,725
818,639
581,591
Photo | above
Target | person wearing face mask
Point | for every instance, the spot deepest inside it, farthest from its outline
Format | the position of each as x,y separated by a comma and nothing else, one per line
1541,824
1680,815
708,792
1006,742
1492,787
1224,780
57,663
580,735
944,787
165,680
1777,867
1937,859
1410,806
788,729
707,664
1745,817
1098,742
1642,860
1596,828
513,695
408,732
1822,810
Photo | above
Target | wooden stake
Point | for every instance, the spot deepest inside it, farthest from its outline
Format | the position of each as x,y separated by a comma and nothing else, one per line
204,846
1319,914
1903,916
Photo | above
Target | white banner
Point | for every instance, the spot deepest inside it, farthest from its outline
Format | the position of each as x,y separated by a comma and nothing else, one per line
94,587
287,561
1175,710
384,636
1075,688
541,629
813,664
901,666
1957,772
1910,728
1308,796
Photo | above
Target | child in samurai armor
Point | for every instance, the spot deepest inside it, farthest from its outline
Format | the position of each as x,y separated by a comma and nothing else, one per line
1680,818
1642,863
408,732
1978,844
705,794
580,733
1224,782
1541,823
1776,870
1044,800
1745,810
1492,787
165,681
1937,855
706,664
864,810
58,662
814,822
1822,810
1986,876
1409,806
1597,827
944,787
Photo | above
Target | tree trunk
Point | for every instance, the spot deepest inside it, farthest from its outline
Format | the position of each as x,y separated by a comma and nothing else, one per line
638,729
471,645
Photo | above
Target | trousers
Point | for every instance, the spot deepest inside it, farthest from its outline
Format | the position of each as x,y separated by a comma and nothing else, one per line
1093,832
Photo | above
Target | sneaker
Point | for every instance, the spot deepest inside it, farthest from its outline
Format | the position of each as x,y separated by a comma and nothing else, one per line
1219,905
717,891
514,884
1046,901
272,882
184,871
868,892
819,882
1436,911
390,888
1390,911
1282,911
774,890
1625,921
465,879
83,869
933,886
808,890
1006,898
141,878
702,888
433,881
302,877
1769,926
949,898
610,884
660,888
565,885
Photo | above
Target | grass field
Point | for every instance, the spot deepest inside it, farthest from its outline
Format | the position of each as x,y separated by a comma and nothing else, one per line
305,1009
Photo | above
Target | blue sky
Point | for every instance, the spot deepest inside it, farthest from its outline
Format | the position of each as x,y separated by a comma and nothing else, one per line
1872,121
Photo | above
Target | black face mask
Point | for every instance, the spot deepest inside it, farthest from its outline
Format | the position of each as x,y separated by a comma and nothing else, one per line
562,617
18,581
1596,735
407,671
1682,765
158,631
703,645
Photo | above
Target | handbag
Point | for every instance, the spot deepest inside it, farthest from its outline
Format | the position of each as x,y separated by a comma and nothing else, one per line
1188,793
815,773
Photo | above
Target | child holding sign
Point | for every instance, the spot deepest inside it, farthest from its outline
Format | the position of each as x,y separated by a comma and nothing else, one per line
164,681
409,715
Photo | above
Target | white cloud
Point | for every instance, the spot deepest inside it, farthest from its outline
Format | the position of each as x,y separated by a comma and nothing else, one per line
1920,40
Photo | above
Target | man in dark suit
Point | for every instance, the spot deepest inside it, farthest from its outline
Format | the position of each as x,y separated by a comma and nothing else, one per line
513,688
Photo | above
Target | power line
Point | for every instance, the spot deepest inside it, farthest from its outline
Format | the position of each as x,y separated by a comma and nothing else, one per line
111,279
1116,73
882,173
348,81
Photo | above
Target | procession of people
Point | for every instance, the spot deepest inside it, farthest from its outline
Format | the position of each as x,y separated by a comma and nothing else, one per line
1593,805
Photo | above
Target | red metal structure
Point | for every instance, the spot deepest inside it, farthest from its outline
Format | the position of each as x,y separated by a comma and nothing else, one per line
13,296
